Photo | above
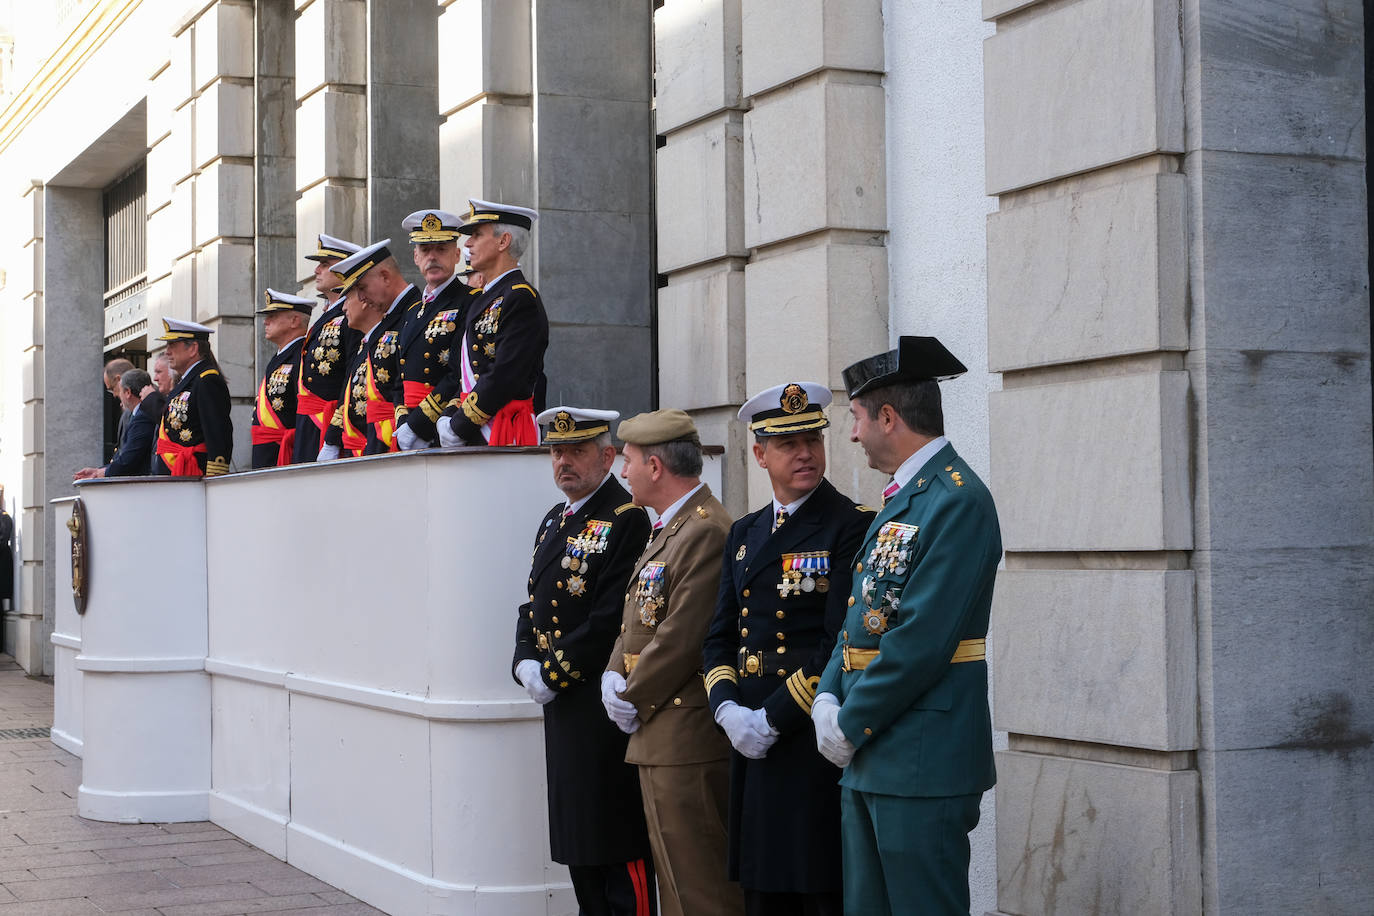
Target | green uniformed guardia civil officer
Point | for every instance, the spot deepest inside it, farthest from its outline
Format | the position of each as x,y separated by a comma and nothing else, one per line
903,703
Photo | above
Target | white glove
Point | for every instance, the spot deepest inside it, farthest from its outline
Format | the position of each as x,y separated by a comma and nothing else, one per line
830,739
747,729
528,673
409,440
447,437
621,712
327,453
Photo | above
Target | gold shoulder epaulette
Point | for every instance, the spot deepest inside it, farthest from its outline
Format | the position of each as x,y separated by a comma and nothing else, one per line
620,509
525,286
863,508
208,372
701,511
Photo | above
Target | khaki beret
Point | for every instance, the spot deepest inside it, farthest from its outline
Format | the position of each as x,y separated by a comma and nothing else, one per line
658,426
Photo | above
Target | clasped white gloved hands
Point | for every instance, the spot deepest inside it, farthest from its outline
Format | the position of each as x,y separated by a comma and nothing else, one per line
327,453
747,729
622,712
830,740
447,437
528,674
409,440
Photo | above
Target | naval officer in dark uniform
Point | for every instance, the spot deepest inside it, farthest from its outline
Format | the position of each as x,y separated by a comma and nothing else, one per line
583,554
784,581
374,384
431,337
903,702
328,345
274,412
195,437
494,390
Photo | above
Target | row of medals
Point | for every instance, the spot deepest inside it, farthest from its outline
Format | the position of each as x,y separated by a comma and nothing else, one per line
804,573
591,540
649,593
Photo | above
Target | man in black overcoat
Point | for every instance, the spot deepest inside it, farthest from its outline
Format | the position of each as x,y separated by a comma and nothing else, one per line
584,552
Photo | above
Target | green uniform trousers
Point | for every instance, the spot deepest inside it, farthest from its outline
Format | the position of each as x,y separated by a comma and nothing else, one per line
906,855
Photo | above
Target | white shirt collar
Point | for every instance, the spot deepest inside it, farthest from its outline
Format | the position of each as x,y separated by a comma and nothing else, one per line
367,338
672,510
572,508
791,507
434,293
290,342
494,280
917,460
187,374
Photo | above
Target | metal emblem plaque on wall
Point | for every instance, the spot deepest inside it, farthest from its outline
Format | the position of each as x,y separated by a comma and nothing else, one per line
77,526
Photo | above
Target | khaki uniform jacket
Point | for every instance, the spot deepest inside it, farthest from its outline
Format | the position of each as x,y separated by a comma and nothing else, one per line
669,603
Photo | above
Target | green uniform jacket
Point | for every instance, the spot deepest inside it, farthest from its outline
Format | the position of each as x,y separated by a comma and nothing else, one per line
921,724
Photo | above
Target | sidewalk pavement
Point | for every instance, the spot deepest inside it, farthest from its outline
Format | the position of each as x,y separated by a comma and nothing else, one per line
53,862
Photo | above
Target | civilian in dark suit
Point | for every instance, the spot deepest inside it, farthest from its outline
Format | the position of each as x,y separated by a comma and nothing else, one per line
133,456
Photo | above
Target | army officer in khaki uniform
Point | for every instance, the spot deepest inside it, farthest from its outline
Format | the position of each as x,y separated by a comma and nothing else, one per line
653,687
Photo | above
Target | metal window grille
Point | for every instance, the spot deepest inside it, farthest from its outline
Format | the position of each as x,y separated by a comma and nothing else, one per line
126,256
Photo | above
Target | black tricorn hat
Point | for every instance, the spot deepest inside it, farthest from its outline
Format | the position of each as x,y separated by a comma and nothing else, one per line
916,359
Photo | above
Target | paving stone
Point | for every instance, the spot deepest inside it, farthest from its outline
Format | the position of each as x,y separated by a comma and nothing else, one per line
170,850
251,905
101,868
172,896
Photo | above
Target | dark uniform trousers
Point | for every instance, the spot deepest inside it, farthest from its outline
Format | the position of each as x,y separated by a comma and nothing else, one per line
910,673
682,755
781,602
596,820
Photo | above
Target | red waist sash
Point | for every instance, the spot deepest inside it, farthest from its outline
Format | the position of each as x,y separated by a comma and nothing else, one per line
286,438
181,459
317,408
514,425
416,392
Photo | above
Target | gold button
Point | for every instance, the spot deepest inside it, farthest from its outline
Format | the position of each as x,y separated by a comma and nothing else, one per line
781,615
858,567
555,620
782,636
622,626
782,649
851,600
557,633
531,598
474,348
531,612
950,468
652,706
558,584
782,672
744,612
868,731
554,602
745,593
426,370
426,356
677,701
744,631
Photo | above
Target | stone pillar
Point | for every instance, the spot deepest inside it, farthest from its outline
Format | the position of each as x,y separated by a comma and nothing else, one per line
402,116
772,209
331,126
485,105
1178,304
73,283
1278,250
201,183
274,219
23,622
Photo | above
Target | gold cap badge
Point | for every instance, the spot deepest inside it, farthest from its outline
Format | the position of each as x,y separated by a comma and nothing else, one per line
794,399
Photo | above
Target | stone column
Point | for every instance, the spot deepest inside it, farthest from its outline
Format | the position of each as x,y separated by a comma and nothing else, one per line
274,220
699,116
201,137
1178,303
485,105
331,126
402,116
73,305
23,623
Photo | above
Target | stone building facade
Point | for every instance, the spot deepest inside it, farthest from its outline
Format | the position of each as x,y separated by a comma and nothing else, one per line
1143,224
